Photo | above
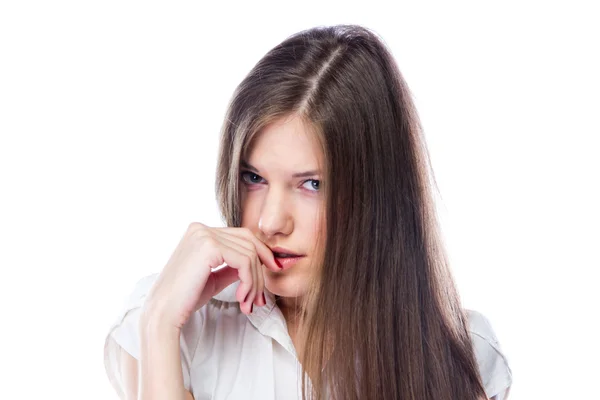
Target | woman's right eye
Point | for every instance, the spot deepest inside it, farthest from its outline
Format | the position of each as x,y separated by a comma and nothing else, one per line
251,177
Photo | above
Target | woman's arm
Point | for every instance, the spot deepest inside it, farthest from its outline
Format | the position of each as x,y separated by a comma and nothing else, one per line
158,374
129,368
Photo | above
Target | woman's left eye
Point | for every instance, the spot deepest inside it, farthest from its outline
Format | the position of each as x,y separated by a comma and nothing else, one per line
313,185
250,177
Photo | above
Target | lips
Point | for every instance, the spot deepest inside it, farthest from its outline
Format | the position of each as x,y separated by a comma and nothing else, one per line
285,258
287,262
281,252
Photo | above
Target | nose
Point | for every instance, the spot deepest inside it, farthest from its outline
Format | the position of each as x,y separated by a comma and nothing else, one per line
275,217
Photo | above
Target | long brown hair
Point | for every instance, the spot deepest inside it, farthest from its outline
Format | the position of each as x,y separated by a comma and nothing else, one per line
384,319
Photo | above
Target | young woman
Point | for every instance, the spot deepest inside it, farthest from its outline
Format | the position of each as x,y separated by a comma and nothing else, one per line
334,280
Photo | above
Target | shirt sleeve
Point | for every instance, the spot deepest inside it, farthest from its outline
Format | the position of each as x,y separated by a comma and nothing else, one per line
124,334
493,365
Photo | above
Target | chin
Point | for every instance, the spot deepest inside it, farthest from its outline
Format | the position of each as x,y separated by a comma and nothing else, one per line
285,284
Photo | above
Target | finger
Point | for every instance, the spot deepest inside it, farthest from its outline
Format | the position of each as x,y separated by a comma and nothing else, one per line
241,261
262,250
248,292
259,298
237,238
220,279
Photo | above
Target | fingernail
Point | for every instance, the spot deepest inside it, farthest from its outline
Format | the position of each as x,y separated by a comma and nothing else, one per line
251,308
264,300
278,264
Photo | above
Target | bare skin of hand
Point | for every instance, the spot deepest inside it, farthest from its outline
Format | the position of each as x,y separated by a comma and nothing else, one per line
187,281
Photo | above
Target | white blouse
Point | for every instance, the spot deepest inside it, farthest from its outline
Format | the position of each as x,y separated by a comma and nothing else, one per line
226,354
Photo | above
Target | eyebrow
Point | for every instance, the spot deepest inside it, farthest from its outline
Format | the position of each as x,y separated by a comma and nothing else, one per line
304,174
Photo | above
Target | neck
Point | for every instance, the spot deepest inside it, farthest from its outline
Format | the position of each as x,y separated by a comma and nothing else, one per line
291,308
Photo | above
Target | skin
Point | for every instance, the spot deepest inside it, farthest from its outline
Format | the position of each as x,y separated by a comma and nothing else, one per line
282,210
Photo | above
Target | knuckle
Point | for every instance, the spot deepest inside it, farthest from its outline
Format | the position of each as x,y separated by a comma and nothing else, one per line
248,260
202,242
247,233
253,251
195,227
208,242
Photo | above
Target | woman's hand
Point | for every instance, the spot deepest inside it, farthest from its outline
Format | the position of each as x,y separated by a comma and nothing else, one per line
187,283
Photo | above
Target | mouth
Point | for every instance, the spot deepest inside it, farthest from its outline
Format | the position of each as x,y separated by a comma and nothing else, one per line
287,262
282,252
285,258
284,255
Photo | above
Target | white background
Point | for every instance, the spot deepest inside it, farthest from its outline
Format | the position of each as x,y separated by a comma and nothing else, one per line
109,120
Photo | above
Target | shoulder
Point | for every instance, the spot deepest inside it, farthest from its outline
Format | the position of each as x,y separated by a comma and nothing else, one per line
493,364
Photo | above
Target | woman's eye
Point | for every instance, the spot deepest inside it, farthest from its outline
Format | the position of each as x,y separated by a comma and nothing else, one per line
312,184
251,177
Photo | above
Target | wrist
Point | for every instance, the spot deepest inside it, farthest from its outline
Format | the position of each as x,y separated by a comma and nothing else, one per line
153,322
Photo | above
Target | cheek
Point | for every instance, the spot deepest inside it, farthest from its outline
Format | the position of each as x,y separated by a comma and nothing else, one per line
249,210
312,223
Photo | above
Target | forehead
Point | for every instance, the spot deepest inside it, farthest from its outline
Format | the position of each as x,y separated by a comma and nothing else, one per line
286,142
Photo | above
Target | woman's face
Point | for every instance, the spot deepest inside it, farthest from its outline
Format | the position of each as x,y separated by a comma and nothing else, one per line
282,200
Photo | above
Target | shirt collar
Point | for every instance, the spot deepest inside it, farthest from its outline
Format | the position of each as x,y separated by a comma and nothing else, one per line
268,319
